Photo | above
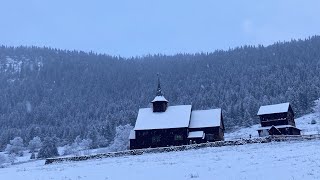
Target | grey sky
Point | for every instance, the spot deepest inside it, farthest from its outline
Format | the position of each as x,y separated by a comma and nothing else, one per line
139,27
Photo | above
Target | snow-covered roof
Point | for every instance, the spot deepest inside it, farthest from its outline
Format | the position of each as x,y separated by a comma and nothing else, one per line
132,134
196,134
278,127
173,117
275,108
205,118
159,98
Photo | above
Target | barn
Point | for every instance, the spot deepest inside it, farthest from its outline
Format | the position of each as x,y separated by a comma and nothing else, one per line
277,119
162,125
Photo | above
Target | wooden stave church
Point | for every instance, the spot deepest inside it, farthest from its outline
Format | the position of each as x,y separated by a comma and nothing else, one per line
277,119
189,127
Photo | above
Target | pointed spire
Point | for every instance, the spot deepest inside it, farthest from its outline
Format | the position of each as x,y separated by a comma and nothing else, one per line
159,91
159,103
159,96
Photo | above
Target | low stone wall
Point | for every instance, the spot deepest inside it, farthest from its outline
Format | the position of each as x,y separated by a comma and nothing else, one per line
159,150
185,147
294,137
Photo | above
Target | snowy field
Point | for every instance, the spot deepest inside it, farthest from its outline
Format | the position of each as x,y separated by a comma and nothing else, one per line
278,160
281,160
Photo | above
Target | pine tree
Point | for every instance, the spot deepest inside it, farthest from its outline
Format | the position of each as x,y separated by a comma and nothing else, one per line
48,148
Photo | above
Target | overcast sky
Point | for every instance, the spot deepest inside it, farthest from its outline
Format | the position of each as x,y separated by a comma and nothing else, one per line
139,27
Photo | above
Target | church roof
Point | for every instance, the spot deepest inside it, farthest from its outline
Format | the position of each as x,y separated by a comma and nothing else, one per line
173,117
205,118
272,109
159,98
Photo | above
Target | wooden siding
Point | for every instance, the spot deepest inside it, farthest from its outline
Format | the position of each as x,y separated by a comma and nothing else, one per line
160,106
283,131
217,132
160,138
286,118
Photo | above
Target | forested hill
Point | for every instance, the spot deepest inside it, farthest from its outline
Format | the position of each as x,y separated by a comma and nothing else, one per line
50,92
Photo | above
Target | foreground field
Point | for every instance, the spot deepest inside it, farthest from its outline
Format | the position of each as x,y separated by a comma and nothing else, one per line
282,160
279,160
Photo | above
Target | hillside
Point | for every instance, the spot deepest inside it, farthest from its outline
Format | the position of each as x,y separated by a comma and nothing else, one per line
51,92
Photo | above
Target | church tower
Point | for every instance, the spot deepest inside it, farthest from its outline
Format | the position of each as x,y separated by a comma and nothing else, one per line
159,103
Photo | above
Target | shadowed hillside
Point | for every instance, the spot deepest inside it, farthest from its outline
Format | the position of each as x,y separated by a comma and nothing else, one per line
50,92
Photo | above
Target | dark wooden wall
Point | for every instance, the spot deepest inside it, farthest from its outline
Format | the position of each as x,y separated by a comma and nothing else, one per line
286,118
165,137
284,131
274,119
159,106
218,132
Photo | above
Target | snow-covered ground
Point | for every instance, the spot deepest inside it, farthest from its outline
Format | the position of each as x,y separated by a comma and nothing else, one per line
281,160
277,160
304,123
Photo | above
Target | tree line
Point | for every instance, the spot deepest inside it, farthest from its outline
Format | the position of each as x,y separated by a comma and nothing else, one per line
46,92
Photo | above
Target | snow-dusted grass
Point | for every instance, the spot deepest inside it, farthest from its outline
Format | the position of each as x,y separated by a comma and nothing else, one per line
277,160
280,160
243,133
304,123
26,156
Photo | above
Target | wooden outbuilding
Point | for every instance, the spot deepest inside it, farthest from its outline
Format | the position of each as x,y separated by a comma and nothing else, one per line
210,122
277,119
